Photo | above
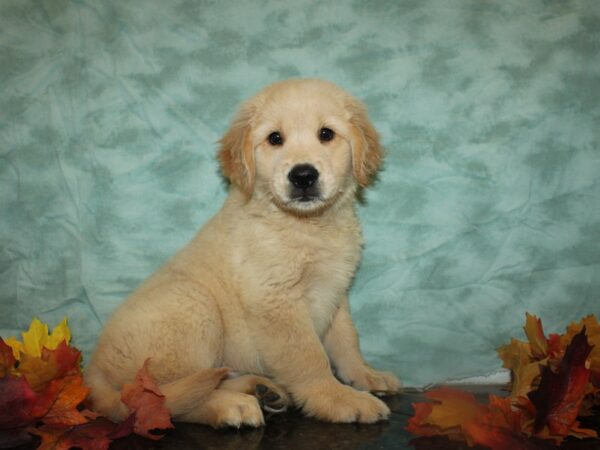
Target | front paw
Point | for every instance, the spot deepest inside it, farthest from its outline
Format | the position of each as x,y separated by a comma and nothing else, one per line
335,402
379,383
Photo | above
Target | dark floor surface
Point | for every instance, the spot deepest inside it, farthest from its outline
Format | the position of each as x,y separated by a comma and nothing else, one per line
291,431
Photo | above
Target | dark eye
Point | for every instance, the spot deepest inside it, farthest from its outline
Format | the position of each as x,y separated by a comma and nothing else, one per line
326,134
275,138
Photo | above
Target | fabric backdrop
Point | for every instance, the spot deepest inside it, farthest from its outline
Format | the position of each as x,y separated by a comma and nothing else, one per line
489,204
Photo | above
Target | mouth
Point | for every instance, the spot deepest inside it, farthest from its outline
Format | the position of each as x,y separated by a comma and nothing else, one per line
306,198
304,195
304,202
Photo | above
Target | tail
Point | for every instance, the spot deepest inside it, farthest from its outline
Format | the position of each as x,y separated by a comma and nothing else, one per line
181,395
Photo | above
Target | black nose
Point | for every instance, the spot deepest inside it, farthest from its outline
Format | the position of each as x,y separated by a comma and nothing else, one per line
303,176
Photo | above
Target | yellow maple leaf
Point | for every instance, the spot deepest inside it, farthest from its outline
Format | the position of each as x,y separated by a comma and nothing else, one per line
61,332
517,357
37,337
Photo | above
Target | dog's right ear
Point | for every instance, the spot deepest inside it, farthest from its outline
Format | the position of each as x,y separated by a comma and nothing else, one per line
236,154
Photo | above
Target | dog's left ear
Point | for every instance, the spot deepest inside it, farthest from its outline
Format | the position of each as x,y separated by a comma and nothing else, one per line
367,153
236,154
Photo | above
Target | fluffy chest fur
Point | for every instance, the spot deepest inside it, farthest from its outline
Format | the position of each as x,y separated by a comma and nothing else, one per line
299,261
329,274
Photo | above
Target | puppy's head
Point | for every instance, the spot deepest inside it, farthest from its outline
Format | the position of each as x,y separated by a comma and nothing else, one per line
303,144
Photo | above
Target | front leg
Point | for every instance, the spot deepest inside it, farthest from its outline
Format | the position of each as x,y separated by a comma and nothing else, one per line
342,346
293,354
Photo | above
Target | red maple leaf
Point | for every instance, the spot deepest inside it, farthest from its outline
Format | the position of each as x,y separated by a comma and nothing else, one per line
7,359
504,425
147,403
21,405
559,396
66,359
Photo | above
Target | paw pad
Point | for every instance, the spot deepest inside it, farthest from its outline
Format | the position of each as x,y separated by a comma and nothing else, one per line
269,400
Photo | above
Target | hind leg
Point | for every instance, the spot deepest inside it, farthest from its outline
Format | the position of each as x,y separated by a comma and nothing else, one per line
271,397
174,322
226,408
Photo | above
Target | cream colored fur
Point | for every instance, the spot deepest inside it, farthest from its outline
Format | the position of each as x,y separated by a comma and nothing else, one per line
262,288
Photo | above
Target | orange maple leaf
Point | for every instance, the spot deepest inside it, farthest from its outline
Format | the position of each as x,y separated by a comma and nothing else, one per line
64,410
451,411
147,403
418,425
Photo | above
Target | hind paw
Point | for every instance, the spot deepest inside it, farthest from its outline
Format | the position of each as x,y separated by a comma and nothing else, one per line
271,397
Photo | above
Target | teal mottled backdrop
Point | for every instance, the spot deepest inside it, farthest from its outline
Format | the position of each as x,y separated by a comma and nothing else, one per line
489,205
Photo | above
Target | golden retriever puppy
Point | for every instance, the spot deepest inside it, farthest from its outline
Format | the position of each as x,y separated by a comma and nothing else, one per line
262,288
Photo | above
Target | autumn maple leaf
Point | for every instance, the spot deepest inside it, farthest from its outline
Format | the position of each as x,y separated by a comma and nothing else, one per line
147,412
524,358
36,338
54,402
42,390
46,385
21,405
51,364
559,396
146,403
64,410
517,357
535,334
447,415
550,389
592,328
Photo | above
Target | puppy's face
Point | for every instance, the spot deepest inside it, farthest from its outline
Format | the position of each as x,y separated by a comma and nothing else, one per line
302,149
304,144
